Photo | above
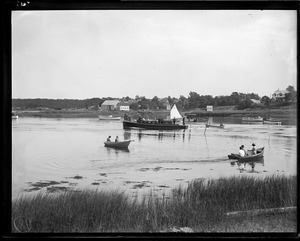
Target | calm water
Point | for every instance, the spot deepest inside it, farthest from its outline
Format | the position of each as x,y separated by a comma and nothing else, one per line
71,153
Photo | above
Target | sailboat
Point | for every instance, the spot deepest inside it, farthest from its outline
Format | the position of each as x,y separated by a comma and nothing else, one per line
159,124
210,124
175,115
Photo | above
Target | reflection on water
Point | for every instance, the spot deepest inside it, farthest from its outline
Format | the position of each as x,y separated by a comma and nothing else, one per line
116,150
59,151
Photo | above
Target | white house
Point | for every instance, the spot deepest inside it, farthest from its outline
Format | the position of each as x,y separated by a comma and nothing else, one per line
165,103
123,106
110,105
279,94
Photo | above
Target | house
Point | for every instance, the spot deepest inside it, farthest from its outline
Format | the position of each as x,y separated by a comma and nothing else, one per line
109,105
279,94
209,108
165,103
123,106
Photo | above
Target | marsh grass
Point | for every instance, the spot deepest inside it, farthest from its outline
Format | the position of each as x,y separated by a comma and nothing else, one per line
201,206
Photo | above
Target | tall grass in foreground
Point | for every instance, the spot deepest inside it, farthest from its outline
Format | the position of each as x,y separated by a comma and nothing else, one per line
201,205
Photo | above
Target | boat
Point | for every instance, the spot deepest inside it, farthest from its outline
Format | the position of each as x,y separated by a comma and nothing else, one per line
253,119
158,124
249,156
14,116
175,115
210,124
216,126
119,144
271,121
109,117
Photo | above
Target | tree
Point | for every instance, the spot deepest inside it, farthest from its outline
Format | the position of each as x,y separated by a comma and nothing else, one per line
292,95
134,106
266,100
194,100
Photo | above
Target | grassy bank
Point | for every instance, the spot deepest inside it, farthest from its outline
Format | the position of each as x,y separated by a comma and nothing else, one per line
202,206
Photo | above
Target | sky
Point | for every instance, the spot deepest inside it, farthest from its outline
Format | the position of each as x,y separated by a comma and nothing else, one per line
118,53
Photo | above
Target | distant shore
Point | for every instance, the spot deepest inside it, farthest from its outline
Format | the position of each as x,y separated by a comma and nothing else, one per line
275,113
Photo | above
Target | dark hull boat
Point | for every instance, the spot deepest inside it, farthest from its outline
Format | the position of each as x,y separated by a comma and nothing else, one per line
152,125
120,144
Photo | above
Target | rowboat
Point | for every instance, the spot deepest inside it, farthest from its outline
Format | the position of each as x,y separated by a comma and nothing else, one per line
253,119
249,156
109,117
215,126
120,144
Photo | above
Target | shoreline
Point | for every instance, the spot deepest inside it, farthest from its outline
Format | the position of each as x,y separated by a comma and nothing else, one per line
275,113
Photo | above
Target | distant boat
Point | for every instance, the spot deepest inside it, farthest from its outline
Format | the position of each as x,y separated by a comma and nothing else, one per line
210,124
14,116
158,124
215,126
253,119
119,144
271,121
109,117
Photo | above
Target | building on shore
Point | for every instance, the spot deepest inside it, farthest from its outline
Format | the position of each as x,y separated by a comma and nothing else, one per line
110,105
123,106
279,94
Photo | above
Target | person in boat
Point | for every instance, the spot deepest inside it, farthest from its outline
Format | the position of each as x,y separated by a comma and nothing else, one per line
242,151
183,121
117,139
221,124
108,139
253,149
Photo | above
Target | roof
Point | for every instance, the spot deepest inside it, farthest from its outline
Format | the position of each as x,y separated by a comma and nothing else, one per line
255,101
123,104
281,91
110,102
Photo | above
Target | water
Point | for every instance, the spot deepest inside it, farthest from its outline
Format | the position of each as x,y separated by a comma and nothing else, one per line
70,152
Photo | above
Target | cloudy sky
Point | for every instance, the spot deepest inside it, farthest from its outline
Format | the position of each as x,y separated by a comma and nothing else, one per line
116,53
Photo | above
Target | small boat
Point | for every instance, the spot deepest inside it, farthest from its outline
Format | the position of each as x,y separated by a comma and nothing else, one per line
215,126
271,121
119,144
14,116
253,119
109,117
249,156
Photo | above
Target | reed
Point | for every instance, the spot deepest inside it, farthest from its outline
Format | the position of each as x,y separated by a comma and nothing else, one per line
201,206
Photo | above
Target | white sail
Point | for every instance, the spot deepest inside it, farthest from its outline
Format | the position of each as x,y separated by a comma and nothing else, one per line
174,113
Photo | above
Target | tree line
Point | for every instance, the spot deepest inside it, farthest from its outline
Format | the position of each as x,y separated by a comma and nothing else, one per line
193,101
